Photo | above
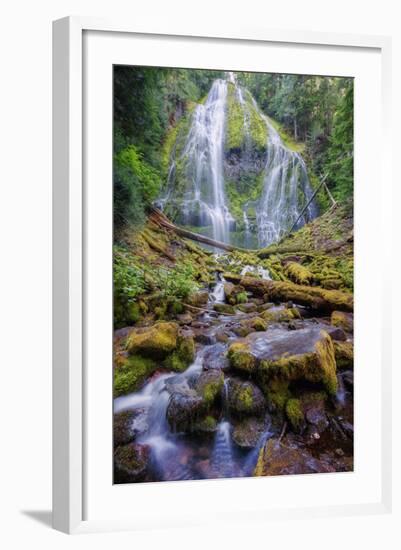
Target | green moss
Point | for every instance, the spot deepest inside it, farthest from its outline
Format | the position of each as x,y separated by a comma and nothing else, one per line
344,354
224,308
245,397
318,366
183,356
342,320
209,386
299,273
235,134
207,424
288,140
277,393
157,341
241,298
258,324
280,315
132,373
241,358
295,413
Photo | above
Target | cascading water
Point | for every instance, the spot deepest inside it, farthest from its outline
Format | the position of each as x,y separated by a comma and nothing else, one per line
203,155
285,180
202,167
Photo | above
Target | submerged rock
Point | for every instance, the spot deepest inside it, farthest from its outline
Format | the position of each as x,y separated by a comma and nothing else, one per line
215,357
247,432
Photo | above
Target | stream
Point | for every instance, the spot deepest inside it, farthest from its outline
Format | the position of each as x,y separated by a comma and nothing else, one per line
222,449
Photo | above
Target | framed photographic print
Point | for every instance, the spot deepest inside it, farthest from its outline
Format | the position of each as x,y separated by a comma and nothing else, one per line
218,331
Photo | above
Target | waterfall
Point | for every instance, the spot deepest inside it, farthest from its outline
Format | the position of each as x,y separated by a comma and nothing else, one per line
203,155
248,235
285,181
204,174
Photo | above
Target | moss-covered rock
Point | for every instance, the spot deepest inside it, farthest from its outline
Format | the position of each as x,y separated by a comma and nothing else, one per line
295,414
280,315
184,410
224,309
241,358
131,372
258,324
342,320
316,366
184,353
131,463
248,307
208,424
122,428
198,299
209,385
244,398
344,354
156,341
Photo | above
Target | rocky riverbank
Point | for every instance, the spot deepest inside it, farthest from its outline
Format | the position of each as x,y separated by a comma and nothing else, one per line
248,370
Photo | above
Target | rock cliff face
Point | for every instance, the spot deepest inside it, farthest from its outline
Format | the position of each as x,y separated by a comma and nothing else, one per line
232,173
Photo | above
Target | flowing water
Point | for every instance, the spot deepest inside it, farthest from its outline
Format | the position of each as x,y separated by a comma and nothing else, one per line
203,202
285,183
203,154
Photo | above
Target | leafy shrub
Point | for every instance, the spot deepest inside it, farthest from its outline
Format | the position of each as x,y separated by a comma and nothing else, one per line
136,184
177,283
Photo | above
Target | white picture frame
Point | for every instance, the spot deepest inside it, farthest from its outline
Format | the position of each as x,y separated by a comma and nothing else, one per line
70,261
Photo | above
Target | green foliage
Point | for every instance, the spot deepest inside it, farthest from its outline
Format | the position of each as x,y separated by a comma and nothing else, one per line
136,184
177,282
340,158
128,284
129,376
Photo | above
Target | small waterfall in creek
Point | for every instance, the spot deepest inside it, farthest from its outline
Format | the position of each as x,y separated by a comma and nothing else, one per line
222,460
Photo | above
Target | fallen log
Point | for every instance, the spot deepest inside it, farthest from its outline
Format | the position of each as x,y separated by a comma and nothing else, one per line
157,217
277,249
313,297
